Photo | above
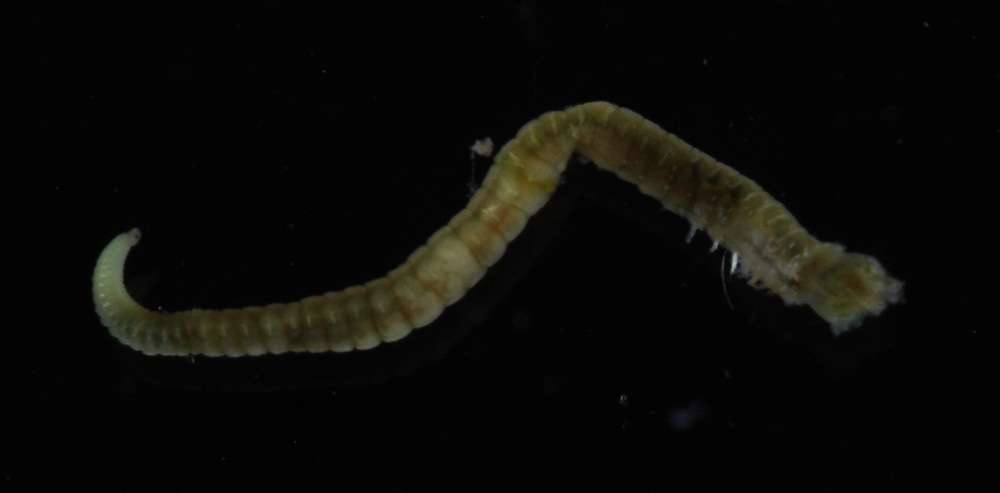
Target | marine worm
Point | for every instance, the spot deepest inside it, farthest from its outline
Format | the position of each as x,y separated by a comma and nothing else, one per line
775,251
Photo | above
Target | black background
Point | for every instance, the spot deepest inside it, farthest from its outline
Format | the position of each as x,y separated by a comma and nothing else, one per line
273,152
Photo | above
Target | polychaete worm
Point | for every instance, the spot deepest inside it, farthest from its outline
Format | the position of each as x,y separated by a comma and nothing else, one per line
775,251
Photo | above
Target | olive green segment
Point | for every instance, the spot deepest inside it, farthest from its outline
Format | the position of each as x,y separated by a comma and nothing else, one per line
747,216
626,136
666,153
723,208
290,325
796,246
687,183
537,167
314,327
234,336
646,148
485,243
447,237
390,321
447,267
246,323
416,263
274,337
133,335
766,221
508,183
140,335
165,335
209,328
600,146
714,201
420,305
505,219
293,323
621,141
178,336
126,329
156,343
596,112
107,304
779,225
548,140
335,320
196,327
183,327
544,129
359,314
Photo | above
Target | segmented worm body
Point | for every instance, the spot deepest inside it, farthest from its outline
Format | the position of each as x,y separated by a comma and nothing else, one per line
777,253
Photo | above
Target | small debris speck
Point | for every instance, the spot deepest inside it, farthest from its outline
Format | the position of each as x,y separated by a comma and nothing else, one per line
482,147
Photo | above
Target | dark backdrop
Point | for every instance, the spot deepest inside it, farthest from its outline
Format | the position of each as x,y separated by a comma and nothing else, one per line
270,153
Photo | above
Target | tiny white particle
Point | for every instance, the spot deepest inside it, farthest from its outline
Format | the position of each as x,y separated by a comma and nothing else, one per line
482,147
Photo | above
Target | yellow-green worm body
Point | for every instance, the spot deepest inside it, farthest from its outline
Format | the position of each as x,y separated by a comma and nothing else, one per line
777,253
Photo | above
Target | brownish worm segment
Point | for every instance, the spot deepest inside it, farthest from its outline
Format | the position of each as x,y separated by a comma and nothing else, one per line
777,252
